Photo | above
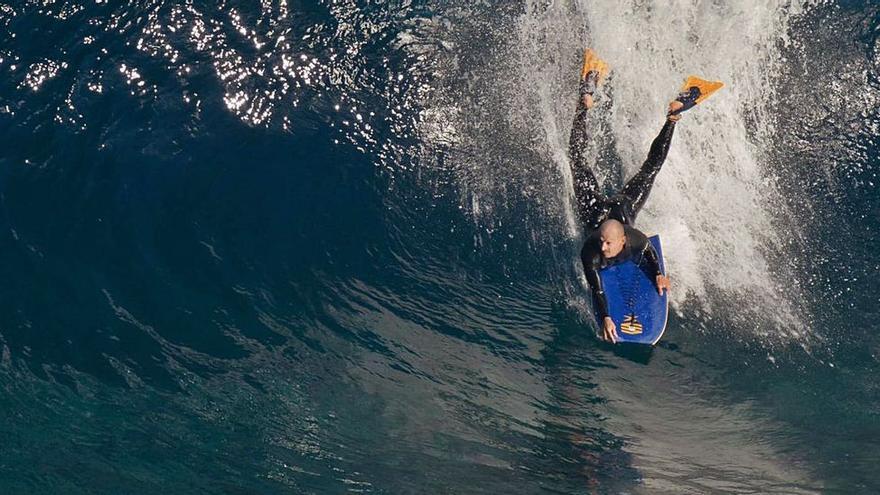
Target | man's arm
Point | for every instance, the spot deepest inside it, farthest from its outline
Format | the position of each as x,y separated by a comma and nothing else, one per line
609,329
652,262
589,255
598,293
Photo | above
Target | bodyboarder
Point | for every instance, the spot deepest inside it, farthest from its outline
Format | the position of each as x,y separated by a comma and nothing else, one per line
608,220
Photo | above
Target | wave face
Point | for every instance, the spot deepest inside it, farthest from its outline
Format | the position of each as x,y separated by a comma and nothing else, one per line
329,247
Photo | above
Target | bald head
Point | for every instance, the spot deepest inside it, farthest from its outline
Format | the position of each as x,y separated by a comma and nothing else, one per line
611,228
613,238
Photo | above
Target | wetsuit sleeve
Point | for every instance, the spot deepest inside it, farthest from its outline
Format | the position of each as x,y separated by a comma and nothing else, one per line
598,293
642,245
652,261
588,256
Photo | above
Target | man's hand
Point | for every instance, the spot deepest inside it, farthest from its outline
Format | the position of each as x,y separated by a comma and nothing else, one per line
609,330
662,283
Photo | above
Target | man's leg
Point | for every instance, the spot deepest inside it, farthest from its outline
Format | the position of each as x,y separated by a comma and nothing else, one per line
586,187
639,186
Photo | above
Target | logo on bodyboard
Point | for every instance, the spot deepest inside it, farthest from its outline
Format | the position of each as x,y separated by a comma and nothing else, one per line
631,325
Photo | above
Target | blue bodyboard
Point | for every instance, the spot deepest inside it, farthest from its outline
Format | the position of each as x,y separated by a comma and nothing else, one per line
637,309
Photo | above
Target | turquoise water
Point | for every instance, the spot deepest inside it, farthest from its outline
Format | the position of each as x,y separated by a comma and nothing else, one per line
327,247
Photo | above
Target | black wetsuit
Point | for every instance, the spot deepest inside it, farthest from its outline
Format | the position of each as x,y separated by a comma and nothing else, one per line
594,207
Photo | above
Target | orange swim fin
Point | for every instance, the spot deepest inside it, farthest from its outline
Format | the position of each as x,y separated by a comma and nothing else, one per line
694,91
593,64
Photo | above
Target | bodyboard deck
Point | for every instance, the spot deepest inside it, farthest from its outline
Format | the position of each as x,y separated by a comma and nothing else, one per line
639,312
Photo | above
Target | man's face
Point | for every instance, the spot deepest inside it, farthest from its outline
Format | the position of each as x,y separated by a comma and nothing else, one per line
612,243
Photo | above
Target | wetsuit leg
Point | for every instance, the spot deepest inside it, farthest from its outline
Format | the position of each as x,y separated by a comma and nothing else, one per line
586,187
639,186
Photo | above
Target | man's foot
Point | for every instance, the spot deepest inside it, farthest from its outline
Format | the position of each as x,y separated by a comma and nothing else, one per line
694,91
674,113
686,100
593,74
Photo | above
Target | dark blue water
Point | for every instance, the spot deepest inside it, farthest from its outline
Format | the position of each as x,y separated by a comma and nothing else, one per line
238,256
